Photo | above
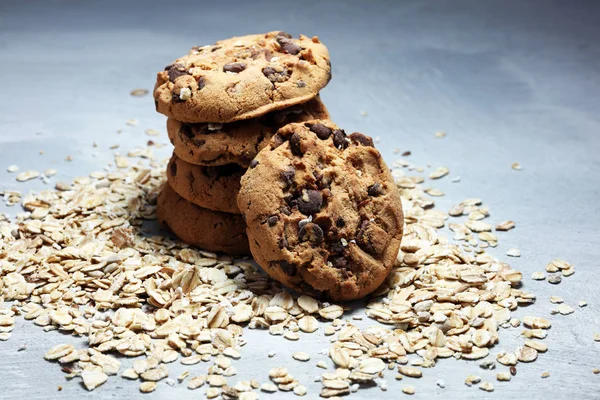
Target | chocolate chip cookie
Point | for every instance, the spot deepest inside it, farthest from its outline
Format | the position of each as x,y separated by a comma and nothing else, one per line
215,188
209,230
242,77
237,142
323,212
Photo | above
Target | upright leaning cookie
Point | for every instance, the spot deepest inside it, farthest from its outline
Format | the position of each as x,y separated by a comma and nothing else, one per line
209,230
242,77
322,210
237,142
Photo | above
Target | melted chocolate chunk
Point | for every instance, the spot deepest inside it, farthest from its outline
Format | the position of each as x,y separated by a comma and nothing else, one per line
175,71
338,262
282,243
288,268
375,189
311,232
272,220
295,145
235,67
301,84
276,76
277,141
340,223
284,34
288,45
186,129
201,83
310,202
320,130
287,176
359,138
173,167
339,139
253,164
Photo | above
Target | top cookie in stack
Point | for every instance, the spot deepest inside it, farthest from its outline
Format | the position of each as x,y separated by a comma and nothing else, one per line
242,78
224,103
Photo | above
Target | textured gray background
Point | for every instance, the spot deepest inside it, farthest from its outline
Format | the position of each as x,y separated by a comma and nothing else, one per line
509,81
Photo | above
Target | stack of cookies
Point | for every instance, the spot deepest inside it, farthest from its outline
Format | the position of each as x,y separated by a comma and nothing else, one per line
224,103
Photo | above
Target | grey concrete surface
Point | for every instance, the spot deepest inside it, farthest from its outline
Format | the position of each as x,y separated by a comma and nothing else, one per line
509,81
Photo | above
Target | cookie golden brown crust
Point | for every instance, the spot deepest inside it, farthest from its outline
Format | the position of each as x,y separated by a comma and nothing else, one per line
323,211
237,142
215,188
242,77
206,229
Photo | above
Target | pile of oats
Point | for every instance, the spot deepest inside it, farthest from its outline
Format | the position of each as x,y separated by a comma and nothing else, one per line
80,260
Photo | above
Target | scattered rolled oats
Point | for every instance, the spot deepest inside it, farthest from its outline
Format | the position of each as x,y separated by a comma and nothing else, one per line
27,175
439,173
545,374
505,226
12,168
147,387
486,386
513,253
410,390
301,356
93,376
536,322
503,376
471,380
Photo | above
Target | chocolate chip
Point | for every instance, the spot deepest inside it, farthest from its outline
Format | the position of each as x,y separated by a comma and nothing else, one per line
288,268
375,189
336,248
253,164
359,138
284,34
215,48
288,45
406,153
301,84
235,67
201,83
276,76
339,139
282,243
338,262
186,129
311,232
295,145
320,130
268,55
285,210
173,167
272,220
362,239
310,202
176,70
287,176
340,223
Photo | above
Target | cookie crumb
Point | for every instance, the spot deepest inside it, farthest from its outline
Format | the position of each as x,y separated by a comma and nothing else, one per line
138,92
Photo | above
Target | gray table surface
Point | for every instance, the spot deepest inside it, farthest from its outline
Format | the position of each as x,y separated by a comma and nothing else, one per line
509,81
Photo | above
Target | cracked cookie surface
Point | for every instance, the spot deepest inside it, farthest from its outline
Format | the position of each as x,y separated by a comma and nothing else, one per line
200,227
215,188
242,77
236,142
323,212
